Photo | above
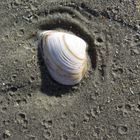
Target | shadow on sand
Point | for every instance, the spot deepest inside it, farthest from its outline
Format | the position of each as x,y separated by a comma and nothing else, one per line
48,85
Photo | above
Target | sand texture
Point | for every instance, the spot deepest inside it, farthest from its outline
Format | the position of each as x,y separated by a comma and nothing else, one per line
104,106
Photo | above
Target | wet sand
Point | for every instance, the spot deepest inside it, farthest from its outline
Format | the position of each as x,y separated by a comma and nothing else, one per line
104,106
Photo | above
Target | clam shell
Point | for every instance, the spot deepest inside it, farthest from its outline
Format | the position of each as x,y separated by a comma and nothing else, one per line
64,55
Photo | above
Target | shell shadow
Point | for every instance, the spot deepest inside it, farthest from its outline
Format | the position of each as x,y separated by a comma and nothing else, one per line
48,85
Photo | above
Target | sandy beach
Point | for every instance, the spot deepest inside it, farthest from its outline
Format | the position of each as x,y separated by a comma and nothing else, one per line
105,105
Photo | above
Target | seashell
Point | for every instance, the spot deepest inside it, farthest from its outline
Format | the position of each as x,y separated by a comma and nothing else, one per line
64,55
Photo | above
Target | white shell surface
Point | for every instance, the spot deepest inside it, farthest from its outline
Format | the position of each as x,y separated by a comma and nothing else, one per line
65,56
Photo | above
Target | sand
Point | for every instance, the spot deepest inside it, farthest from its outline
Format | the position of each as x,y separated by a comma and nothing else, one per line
104,106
